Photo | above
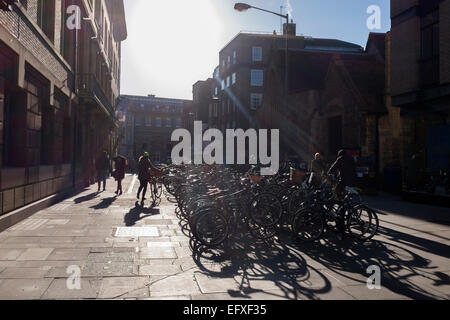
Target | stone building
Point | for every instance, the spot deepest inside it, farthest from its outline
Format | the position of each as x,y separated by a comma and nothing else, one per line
335,101
59,86
420,88
148,123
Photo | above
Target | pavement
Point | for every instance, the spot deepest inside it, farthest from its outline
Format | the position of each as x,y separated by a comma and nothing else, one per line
100,246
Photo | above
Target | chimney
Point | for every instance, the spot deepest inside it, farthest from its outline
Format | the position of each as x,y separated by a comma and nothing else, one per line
290,29
151,95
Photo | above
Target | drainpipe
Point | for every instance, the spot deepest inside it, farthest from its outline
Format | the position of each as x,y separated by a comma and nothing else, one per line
75,84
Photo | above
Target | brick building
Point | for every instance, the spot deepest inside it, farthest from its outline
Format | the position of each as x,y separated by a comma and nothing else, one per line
420,88
238,90
148,123
58,90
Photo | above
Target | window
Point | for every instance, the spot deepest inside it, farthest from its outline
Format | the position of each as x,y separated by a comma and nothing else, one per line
229,61
216,91
228,81
168,123
223,84
46,17
129,120
158,122
234,57
148,121
142,106
138,121
256,78
233,78
257,54
255,100
178,122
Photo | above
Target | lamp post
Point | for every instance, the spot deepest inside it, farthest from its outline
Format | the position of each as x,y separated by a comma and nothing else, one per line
244,7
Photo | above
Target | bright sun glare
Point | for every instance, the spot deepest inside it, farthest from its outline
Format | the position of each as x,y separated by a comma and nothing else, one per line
171,44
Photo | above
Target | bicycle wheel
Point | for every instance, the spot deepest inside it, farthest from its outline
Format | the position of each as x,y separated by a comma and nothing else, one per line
210,227
308,225
362,223
296,199
266,210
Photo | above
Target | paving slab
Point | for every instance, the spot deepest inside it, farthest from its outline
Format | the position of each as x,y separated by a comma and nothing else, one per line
159,270
209,284
68,254
24,273
157,253
174,286
35,254
10,254
124,287
23,289
59,289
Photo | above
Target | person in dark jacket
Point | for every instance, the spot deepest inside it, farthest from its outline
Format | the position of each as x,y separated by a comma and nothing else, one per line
120,164
345,165
145,166
102,165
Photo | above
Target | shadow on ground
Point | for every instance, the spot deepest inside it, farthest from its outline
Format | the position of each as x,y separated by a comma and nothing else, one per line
138,213
300,270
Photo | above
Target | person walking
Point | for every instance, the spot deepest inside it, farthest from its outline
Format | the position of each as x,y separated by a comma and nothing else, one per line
120,164
346,167
318,168
102,165
144,173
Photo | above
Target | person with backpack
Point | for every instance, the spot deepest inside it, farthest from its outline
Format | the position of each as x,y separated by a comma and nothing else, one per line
120,164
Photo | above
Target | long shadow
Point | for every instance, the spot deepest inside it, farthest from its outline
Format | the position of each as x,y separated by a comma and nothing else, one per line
138,213
105,203
414,241
88,197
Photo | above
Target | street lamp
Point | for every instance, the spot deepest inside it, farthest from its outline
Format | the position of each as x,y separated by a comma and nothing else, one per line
241,7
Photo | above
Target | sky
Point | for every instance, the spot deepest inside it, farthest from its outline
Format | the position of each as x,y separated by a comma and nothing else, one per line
172,44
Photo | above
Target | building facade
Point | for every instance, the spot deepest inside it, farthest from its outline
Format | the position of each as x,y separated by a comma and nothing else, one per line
242,72
335,100
59,86
420,88
148,123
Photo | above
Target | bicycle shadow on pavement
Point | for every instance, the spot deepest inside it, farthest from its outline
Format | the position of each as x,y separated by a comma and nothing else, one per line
350,259
138,213
262,266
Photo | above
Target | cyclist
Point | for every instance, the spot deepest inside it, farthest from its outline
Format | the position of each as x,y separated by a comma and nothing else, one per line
145,166
345,165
